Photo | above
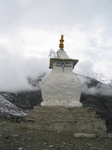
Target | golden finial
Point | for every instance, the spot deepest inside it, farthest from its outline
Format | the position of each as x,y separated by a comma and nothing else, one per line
61,45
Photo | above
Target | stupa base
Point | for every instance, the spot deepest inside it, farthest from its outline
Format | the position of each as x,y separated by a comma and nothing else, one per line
77,121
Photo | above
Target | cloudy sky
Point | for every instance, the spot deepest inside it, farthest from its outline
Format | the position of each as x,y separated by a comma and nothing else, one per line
30,28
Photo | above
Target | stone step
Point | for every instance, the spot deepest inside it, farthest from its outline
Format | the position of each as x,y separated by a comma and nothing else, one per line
61,113
65,120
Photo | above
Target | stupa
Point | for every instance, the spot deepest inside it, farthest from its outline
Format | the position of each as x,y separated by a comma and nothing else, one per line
61,110
61,87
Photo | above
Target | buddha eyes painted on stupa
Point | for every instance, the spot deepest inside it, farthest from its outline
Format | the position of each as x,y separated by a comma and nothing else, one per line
63,65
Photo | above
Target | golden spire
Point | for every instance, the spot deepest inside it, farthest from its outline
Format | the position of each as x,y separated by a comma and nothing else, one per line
61,45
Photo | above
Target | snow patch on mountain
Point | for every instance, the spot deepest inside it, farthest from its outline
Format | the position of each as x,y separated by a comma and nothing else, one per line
103,79
52,54
35,82
8,109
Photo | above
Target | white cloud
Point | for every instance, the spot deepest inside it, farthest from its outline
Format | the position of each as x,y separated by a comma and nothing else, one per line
30,28
15,69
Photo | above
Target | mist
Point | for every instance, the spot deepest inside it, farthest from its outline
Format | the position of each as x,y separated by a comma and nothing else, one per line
93,87
14,70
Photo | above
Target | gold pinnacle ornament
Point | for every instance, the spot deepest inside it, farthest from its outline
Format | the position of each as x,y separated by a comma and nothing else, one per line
61,45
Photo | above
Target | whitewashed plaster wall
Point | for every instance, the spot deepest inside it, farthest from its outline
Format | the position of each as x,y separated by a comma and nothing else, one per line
61,89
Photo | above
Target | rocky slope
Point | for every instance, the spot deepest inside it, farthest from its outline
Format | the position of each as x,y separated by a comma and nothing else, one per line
14,106
15,137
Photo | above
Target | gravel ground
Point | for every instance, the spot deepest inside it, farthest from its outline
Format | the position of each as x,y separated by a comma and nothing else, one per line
13,137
